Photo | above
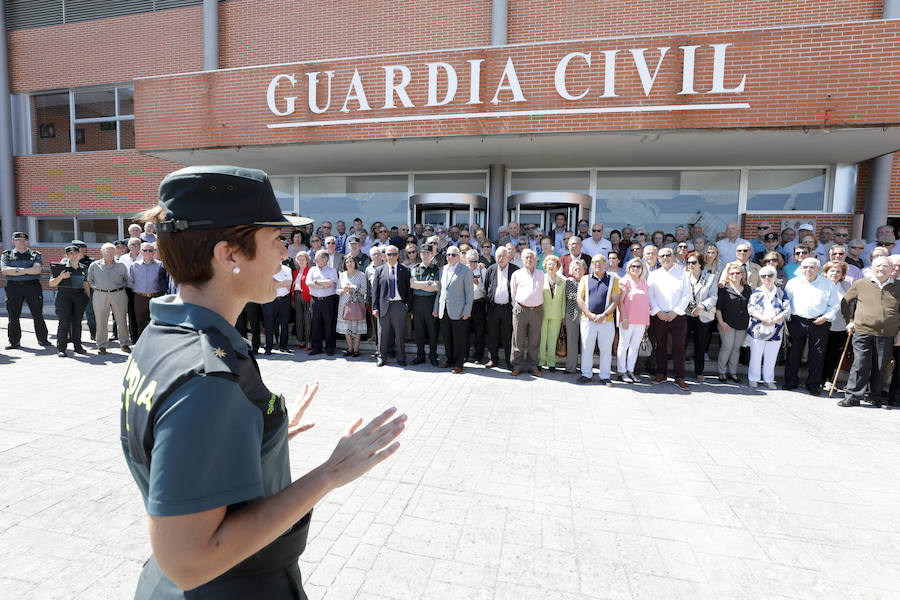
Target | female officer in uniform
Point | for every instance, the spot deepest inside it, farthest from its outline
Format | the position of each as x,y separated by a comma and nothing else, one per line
71,299
206,441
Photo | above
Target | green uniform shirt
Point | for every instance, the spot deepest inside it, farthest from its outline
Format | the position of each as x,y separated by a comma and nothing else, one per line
430,273
78,277
12,258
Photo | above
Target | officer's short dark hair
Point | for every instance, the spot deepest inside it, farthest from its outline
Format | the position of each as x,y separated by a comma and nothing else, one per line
187,255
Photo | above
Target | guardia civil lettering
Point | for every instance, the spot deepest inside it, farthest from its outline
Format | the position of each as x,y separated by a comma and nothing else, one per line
576,77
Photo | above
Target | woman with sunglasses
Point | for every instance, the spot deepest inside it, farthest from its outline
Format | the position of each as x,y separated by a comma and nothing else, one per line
733,319
711,260
614,264
768,308
410,256
701,309
315,244
837,334
634,318
776,260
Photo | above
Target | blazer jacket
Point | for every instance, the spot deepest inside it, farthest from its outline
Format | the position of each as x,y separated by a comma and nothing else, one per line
752,275
457,292
490,281
381,287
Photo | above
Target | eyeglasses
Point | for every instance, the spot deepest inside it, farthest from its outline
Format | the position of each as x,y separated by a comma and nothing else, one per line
742,250
330,243
693,262
801,253
146,250
666,255
596,230
641,234
410,251
635,267
453,254
841,235
486,247
464,235
857,247
884,244
809,267
771,260
314,240
762,227
767,275
392,253
839,254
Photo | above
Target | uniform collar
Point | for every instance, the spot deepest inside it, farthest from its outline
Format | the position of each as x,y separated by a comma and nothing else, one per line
166,309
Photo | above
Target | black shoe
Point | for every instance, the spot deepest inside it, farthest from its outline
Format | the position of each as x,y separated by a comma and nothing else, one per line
417,361
723,378
402,363
62,354
268,351
734,378
80,350
814,391
434,362
875,403
445,365
848,402
789,386
11,346
283,349
314,352
583,379
329,353
552,369
45,343
348,353
380,362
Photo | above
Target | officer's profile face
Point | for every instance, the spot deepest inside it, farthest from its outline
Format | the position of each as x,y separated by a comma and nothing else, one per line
256,281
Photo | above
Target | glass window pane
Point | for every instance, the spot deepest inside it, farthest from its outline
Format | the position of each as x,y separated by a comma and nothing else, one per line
126,138
284,191
369,197
550,181
786,189
90,137
665,199
55,231
451,183
50,120
95,103
98,231
126,101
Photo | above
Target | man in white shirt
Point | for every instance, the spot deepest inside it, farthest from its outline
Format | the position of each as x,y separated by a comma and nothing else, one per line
729,243
669,294
527,289
499,307
597,244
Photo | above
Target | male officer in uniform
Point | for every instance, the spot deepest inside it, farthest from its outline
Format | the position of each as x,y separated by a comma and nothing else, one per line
86,261
22,268
425,286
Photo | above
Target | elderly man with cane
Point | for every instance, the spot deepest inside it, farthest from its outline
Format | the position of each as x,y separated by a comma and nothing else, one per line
870,307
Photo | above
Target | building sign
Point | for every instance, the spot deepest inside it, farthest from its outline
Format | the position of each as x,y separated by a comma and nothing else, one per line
588,82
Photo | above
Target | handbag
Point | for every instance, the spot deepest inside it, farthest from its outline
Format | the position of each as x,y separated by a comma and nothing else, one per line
561,341
354,311
645,348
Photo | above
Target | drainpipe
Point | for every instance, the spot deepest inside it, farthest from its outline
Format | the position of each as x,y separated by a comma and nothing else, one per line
210,35
7,173
498,22
878,191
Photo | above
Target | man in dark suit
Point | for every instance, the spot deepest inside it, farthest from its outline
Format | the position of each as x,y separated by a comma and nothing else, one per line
391,299
499,306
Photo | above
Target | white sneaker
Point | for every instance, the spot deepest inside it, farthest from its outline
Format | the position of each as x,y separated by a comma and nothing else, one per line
771,385
826,386
753,384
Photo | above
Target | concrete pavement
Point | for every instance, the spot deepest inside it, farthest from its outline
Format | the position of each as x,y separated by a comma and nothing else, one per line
503,488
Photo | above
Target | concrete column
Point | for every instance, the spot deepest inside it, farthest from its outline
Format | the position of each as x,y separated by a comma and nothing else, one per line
210,35
7,173
877,193
496,215
891,9
498,22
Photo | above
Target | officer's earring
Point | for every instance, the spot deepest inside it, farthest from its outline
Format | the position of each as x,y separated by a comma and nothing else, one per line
236,270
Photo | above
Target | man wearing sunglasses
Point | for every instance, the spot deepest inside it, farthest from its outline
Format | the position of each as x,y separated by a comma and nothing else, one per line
751,270
391,299
770,244
595,244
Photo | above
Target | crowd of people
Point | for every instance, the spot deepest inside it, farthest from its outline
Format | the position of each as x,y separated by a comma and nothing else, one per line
532,300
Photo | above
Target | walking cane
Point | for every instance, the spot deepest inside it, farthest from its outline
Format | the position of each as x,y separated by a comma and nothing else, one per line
840,362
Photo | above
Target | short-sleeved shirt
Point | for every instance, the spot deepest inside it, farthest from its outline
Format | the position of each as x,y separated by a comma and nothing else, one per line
25,260
192,437
422,273
78,277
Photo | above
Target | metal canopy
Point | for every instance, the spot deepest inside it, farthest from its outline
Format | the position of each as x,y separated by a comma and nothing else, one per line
435,200
549,200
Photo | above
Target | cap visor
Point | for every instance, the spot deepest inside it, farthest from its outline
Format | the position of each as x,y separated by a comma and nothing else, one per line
287,221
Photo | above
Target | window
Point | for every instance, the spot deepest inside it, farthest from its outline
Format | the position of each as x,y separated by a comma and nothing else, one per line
55,231
664,199
786,189
451,183
550,181
369,197
103,120
284,192
98,231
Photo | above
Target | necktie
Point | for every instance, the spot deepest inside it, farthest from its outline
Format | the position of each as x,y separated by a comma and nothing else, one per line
393,279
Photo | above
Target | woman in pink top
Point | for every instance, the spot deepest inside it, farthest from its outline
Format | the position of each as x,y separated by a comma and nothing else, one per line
634,318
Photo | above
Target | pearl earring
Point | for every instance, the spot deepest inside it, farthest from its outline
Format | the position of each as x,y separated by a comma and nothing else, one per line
236,270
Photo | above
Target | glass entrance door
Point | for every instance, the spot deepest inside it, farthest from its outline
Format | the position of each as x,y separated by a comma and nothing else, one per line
434,217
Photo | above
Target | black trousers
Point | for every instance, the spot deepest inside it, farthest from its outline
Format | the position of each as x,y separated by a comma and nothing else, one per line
276,315
661,330
70,305
324,313
392,329
455,333
132,317
833,349
870,356
699,332
894,391
498,322
802,331
27,292
425,326
250,318
477,327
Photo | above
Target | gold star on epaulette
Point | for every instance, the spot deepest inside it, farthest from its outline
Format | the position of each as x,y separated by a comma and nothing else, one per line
219,353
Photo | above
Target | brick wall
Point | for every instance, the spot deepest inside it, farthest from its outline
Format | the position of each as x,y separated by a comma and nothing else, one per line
94,183
539,20
103,51
894,200
277,31
796,77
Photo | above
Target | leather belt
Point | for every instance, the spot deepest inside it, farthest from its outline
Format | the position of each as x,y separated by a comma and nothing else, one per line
109,291
153,295
530,307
